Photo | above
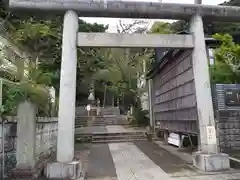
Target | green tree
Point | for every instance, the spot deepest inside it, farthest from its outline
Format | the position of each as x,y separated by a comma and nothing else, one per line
226,68
161,28
33,88
43,38
88,61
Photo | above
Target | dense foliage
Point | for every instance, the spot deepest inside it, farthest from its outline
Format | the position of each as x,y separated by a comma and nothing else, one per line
226,68
14,93
108,71
42,40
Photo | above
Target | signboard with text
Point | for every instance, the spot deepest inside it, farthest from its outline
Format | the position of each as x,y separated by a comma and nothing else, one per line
232,97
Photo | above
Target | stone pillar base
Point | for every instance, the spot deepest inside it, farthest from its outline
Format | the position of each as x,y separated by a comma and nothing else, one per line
66,171
26,173
211,162
31,173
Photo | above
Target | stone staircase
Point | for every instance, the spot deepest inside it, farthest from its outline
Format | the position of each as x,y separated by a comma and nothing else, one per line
81,111
83,121
110,111
96,130
108,116
106,137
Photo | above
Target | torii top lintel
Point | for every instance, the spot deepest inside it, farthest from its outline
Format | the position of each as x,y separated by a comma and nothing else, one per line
130,9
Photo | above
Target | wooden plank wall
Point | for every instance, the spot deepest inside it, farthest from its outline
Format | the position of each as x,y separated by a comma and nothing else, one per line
174,95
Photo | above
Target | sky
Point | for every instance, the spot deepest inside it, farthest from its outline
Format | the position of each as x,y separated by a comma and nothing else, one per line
112,22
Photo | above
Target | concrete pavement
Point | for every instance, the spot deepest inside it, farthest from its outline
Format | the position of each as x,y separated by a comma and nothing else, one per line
100,164
143,161
132,164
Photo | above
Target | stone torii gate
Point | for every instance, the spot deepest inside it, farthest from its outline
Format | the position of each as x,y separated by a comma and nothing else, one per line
125,9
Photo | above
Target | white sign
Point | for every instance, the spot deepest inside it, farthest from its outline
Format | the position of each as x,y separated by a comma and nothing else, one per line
174,139
211,135
88,107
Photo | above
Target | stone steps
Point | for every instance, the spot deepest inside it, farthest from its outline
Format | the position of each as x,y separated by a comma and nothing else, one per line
100,121
111,137
128,133
108,116
110,111
81,111
98,124
118,140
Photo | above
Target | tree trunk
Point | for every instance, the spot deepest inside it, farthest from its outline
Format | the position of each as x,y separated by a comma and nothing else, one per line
20,69
93,87
113,100
104,98
117,102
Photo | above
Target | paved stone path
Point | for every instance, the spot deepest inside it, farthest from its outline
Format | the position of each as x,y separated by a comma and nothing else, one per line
168,162
100,164
142,160
115,129
132,164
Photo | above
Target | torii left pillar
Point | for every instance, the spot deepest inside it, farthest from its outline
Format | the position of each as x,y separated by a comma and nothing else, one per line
67,97
66,167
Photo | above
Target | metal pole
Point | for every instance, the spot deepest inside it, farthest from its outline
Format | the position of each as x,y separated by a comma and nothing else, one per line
152,124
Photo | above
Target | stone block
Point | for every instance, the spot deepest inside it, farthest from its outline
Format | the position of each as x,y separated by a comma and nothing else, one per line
58,170
211,162
23,173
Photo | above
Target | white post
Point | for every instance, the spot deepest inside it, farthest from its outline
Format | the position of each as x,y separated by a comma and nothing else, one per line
67,98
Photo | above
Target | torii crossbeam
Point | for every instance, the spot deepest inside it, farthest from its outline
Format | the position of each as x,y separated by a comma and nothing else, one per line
131,9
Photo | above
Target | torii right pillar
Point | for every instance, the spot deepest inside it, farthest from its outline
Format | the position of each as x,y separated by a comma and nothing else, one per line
207,158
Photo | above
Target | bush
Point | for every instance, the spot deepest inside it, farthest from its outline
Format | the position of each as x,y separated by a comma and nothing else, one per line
15,93
140,115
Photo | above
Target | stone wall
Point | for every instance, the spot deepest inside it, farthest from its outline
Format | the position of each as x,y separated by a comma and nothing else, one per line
46,136
227,118
228,131
9,146
45,145
46,133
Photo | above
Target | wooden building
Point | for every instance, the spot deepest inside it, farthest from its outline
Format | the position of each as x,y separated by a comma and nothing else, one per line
173,97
